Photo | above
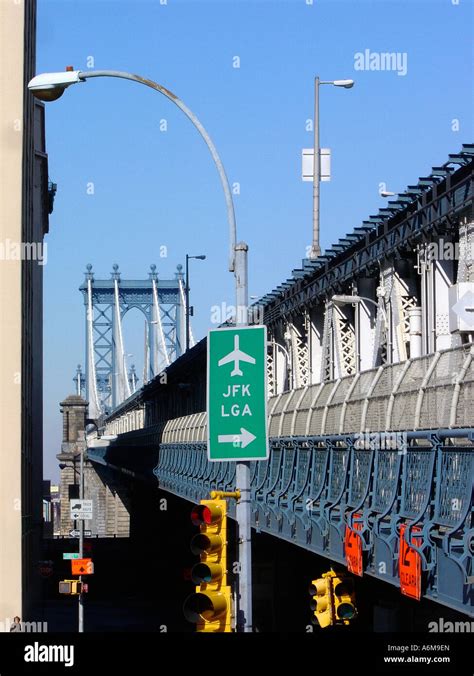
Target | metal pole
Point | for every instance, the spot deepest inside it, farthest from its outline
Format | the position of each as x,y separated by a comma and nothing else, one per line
83,75
186,295
81,536
315,248
243,510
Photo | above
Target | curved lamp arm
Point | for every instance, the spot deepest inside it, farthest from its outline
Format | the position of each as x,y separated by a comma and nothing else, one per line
50,86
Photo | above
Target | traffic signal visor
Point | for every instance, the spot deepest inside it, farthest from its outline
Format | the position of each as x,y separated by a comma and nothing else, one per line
344,599
321,604
210,606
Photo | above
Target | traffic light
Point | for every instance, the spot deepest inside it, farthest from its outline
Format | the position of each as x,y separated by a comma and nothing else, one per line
344,598
321,605
333,599
73,587
210,606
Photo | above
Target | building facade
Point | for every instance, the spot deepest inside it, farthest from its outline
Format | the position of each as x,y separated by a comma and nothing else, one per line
24,210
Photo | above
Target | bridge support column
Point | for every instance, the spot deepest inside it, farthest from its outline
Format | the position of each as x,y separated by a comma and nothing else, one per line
315,342
365,316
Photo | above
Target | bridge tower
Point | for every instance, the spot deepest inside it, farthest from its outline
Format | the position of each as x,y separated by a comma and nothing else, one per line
106,302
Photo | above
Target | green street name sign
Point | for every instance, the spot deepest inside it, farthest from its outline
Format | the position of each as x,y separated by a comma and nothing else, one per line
67,556
237,394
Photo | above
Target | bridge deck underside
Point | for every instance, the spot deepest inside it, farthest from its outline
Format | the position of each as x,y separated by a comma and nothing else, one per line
313,489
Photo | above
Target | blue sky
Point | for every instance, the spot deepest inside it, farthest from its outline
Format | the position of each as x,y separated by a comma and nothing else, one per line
154,188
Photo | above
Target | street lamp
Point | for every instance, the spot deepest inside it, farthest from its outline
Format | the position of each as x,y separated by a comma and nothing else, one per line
49,87
346,84
348,299
188,309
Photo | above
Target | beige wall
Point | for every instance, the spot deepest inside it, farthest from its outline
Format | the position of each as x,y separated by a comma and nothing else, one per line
23,218
11,178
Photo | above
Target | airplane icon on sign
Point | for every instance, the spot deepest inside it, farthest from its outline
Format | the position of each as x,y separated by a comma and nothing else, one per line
236,356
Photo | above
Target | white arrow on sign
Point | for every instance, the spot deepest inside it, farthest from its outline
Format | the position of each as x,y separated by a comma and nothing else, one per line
244,438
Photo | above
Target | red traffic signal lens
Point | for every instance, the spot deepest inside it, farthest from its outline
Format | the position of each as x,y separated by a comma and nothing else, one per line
200,514
206,515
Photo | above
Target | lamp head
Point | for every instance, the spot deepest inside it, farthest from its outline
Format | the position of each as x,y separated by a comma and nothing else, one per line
51,86
347,84
344,299
201,258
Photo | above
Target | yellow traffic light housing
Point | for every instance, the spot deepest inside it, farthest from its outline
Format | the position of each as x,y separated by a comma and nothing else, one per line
333,599
344,598
210,606
322,605
71,587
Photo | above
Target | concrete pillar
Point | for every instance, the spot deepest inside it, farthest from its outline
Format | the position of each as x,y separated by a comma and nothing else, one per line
315,340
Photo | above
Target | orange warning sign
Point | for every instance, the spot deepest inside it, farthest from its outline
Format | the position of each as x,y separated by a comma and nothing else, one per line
353,548
409,564
82,567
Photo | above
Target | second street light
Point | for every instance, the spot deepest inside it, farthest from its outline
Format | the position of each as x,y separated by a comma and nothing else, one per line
188,308
346,84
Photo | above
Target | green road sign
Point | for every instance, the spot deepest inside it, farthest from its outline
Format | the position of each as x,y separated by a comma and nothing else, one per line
237,394
67,556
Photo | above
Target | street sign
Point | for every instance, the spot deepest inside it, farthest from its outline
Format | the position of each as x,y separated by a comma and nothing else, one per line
409,563
75,533
68,556
237,394
81,509
307,164
82,567
353,547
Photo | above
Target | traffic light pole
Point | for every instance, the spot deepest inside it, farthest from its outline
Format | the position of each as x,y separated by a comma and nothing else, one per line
243,507
81,538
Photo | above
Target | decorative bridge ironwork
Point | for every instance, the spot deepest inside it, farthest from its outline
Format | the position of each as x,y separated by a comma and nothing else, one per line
331,469
371,413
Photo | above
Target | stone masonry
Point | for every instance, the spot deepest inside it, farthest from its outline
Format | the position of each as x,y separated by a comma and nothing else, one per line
110,500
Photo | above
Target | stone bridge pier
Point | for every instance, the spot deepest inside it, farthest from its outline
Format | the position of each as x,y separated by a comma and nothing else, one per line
109,494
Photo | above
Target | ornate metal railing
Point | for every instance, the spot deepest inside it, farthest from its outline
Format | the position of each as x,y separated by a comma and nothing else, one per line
315,489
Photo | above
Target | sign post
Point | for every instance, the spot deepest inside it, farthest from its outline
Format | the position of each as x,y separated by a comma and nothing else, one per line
227,369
